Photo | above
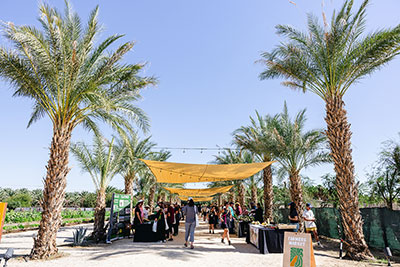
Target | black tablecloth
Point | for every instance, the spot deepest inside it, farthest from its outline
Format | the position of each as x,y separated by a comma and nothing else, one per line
269,240
144,233
241,228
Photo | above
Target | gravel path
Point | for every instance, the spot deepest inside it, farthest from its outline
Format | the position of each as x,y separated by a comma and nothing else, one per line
208,252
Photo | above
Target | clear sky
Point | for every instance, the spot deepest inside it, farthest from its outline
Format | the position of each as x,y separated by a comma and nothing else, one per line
203,53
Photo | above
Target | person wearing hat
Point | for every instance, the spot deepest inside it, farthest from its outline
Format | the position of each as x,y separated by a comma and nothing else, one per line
293,215
309,220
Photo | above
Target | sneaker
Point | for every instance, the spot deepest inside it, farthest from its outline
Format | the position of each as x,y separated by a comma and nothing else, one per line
191,247
222,241
171,239
319,244
164,241
229,242
213,232
209,231
185,245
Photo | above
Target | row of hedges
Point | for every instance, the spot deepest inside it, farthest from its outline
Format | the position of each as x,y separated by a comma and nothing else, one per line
34,216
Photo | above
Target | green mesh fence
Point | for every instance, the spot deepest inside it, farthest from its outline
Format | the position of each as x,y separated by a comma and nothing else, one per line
381,226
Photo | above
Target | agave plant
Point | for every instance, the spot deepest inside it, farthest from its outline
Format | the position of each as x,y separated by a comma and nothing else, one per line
79,236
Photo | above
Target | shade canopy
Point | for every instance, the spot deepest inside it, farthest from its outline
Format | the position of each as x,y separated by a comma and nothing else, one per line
197,199
199,192
169,172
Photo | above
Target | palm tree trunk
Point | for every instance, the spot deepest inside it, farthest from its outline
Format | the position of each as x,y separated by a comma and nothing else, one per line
129,178
339,135
53,195
268,192
254,193
241,191
99,215
296,194
151,196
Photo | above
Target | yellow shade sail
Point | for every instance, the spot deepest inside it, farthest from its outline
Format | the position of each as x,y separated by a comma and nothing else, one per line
197,199
169,172
199,192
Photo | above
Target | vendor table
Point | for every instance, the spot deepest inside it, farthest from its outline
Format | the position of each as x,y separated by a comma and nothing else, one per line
241,228
144,233
266,240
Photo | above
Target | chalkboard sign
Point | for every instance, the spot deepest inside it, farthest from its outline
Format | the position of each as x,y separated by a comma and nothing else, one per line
120,217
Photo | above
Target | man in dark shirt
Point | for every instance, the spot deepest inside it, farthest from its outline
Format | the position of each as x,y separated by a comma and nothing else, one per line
259,213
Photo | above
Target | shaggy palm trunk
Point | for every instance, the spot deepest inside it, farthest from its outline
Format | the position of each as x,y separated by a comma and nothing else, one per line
151,196
99,215
241,192
254,194
339,135
296,194
268,192
53,194
129,178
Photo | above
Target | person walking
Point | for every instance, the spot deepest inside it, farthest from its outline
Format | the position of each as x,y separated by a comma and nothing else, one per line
293,216
309,220
177,210
226,217
190,211
212,219
170,220
160,219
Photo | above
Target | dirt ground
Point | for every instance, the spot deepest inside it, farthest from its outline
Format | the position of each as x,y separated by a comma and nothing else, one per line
208,252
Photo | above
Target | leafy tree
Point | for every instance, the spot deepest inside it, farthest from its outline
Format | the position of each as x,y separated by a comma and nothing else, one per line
20,200
326,61
385,180
72,82
102,163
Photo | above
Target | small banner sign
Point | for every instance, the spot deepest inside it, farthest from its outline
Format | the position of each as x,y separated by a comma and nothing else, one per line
3,209
298,250
120,217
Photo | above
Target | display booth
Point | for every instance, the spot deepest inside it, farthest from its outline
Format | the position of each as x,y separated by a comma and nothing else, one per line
120,223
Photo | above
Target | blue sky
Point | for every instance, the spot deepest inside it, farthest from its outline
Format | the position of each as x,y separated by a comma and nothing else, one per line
203,53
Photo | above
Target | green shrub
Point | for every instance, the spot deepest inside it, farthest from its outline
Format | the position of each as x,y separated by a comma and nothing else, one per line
21,200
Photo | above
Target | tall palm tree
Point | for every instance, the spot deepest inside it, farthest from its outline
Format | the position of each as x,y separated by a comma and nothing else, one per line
72,82
296,150
257,138
133,149
102,163
326,61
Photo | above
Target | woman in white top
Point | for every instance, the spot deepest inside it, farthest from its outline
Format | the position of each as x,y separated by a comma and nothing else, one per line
311,227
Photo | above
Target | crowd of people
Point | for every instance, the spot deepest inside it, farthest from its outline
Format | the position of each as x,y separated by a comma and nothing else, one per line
168,216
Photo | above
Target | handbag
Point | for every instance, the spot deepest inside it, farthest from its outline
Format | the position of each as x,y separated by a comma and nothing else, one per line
154,228
166,224
197,217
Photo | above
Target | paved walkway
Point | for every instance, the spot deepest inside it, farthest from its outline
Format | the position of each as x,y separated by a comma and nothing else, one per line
208,252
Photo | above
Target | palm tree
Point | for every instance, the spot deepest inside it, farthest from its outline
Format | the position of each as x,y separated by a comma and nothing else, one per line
326,61
72,82
296,150
257,139
147,179
102,163
230,156
133,149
